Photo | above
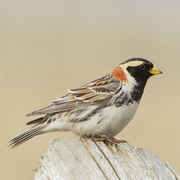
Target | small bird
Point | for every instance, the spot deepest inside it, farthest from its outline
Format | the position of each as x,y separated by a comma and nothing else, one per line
99,109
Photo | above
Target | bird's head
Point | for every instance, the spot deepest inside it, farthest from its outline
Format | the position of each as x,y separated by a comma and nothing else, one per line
135,69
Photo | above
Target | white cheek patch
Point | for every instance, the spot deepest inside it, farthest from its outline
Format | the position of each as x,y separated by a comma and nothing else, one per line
131,79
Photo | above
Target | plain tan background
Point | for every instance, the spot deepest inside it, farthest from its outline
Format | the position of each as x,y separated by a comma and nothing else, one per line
49,46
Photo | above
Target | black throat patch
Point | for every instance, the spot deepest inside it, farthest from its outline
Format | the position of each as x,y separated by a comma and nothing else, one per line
136,94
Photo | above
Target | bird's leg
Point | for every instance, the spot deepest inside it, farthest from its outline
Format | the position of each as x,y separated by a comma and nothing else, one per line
107,139
100,138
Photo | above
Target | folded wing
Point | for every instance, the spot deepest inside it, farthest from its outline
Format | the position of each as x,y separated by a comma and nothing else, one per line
98,91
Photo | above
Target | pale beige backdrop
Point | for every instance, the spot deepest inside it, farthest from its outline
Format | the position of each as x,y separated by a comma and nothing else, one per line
49,46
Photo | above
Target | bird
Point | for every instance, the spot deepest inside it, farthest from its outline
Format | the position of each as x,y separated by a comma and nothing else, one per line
99,109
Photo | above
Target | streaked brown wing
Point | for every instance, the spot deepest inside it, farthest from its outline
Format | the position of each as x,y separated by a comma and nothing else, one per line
98,91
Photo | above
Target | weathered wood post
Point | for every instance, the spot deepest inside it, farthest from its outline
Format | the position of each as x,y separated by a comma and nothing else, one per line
84,159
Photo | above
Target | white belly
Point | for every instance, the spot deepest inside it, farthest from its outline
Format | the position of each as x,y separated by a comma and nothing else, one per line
109,122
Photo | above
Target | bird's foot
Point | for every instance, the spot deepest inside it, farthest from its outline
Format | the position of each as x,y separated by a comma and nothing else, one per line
108,140
115,141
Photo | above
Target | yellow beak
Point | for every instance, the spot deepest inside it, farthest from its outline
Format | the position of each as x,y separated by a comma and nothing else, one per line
155,71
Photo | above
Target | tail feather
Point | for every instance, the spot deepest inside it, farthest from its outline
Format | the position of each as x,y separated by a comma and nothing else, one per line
36,121
30,133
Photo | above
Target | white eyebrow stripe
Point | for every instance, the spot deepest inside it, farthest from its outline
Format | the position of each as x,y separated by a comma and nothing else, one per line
132,63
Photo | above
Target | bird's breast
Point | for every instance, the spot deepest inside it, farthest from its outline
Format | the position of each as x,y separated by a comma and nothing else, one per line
109,121
119,117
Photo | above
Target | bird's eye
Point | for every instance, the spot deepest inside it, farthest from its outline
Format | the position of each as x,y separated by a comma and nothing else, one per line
142,67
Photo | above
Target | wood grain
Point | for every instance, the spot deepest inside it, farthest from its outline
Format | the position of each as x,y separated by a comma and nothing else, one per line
84,159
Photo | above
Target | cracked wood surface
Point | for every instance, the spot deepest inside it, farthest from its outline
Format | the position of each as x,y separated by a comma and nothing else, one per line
84,159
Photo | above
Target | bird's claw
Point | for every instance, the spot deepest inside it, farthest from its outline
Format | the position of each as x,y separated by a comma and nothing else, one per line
108,140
